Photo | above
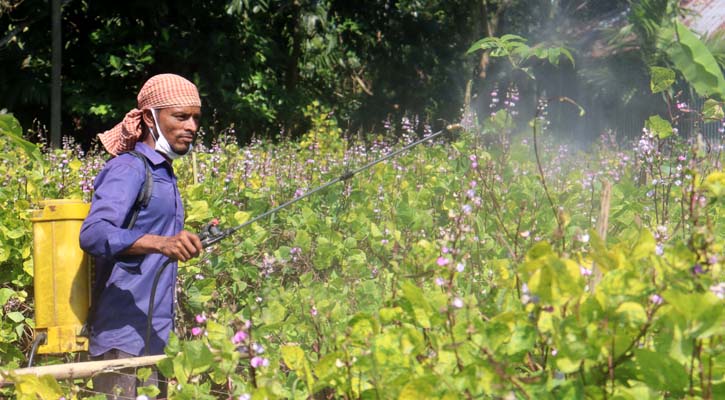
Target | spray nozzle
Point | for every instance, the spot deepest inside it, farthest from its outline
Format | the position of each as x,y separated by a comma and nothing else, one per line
454,128
211,233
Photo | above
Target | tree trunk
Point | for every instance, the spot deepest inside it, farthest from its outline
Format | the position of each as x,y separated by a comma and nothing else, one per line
55,93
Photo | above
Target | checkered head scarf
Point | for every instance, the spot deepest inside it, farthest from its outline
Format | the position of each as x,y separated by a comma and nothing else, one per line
161,91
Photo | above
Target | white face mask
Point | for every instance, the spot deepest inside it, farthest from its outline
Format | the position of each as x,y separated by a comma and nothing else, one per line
162,145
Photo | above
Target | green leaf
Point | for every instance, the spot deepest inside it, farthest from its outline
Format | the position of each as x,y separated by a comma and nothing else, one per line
715,185
293,356
241,217
645,245
713,110
5,295
10,127
421,308
198,356
632,313
16,316
661,371
198,211
693,59
659,126
273,314
661,79
420,388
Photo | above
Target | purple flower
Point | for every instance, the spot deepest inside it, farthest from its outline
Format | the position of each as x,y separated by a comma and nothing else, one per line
239,337
697,269
200,318
442,261
257,362
313,311
196,331
245,396
258,349
585,271
440,281
460,267
655,299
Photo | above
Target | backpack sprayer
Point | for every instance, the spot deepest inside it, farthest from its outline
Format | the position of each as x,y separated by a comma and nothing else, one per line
62,272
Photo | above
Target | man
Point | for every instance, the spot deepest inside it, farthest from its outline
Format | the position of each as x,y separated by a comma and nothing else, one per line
127,258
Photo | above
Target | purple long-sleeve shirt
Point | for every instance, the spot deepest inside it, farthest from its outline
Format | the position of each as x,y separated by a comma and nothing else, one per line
123,283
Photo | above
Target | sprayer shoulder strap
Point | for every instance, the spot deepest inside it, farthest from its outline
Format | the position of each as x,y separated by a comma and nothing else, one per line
142,200
144,195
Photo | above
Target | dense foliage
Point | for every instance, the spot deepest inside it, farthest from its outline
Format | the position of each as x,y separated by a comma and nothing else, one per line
497,263
464,268
259,64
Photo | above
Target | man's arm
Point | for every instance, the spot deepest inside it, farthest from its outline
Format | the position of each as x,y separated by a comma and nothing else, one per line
101,234
183,246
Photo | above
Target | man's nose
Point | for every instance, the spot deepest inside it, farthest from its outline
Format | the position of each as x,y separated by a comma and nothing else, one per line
191,125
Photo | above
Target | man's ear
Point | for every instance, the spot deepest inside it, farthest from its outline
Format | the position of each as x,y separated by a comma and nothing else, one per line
148,118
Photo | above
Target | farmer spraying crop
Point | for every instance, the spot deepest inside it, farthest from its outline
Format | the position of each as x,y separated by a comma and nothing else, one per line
135,225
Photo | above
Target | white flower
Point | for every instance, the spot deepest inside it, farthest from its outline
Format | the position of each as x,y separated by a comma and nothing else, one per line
458,302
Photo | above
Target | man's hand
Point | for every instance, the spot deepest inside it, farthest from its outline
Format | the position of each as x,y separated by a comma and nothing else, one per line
183,246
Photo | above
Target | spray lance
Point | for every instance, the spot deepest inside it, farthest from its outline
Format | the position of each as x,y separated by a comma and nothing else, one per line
212,233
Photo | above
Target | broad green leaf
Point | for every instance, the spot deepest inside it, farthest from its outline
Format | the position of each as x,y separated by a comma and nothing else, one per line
5,295
691,57
645,245
632,313
661,372
10,127
661,79
421,308
388,315
713,110
30,386
700,313
362,327
198,211
199,357
15,316
715,184
241,217
293,356
659,126
273,314
416,389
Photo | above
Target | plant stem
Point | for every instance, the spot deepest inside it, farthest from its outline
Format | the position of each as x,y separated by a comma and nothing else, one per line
543,182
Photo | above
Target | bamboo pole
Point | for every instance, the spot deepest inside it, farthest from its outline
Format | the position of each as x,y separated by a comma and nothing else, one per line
79,370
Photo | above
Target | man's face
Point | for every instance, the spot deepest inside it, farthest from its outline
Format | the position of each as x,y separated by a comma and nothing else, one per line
179,125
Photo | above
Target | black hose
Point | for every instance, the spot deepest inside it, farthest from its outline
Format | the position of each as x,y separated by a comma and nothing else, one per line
149,317
36,342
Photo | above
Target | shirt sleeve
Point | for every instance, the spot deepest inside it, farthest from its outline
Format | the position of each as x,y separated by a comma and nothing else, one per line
116,190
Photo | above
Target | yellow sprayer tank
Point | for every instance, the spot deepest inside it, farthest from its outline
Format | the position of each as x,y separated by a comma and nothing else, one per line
62,275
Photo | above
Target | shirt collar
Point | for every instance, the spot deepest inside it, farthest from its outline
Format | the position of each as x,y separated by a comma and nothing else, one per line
150,153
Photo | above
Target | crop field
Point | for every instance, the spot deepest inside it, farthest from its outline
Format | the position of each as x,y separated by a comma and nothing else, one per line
467,267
